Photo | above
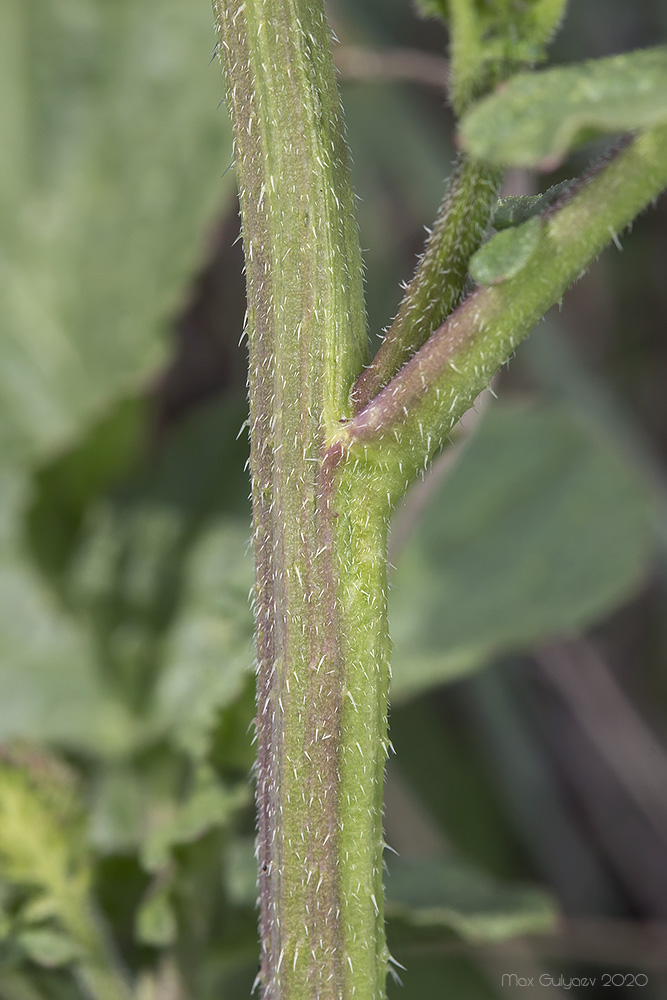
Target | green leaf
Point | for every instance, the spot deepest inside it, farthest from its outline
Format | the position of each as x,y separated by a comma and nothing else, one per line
42,841
210,650
433,8
211,805
516,209
49,947
49,689
537,118
110,173
67,486
507,253
540,530
130,568
156,921
459,897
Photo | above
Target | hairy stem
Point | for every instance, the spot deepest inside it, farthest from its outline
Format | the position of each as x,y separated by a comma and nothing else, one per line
319,544
438,284
403,427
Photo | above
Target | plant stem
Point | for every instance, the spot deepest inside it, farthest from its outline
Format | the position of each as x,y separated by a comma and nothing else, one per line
404,426
437,287
325,472
322,642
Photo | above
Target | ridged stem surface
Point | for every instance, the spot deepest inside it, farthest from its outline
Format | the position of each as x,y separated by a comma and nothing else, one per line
319,541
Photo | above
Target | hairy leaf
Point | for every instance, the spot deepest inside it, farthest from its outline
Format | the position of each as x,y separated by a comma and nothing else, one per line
515,209
505,254
537,118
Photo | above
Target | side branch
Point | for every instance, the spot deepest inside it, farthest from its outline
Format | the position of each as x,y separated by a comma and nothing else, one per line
438,284
405,425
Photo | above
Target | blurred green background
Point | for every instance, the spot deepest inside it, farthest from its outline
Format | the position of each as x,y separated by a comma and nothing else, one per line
528,795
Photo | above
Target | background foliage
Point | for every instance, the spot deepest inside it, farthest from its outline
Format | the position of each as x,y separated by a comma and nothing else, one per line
530,565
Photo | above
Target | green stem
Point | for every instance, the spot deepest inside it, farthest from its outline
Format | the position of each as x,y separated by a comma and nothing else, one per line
322,642
403,427
438,284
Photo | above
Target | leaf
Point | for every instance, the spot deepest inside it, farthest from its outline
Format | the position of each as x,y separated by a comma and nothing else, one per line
42,850
70,483
211,805
540,530
121,808
48,947
156,921
538,117
515,209
433,8
129,572
507,253
49,690
459,897
113,150
210,650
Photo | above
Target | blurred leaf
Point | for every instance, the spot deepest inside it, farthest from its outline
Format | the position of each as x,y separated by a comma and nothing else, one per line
49,947
112,155
156,920
117,818
70,482
110,173
536,118
43,854
210,805
133,570
433,8
134,575
506,253
38,909
210,647
539,530
49,690
232,749
453,894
